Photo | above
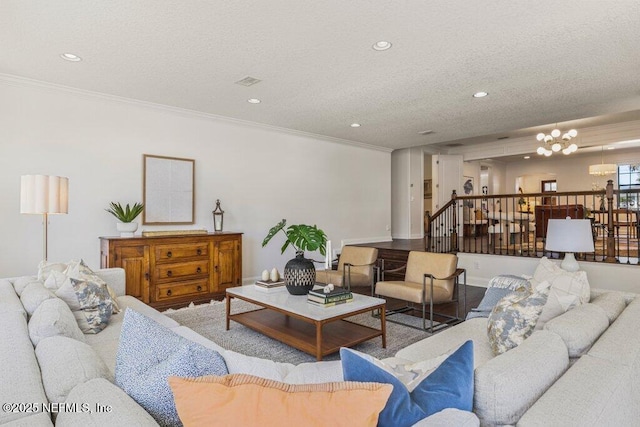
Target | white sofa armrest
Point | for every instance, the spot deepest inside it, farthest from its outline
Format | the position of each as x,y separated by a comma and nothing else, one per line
115,278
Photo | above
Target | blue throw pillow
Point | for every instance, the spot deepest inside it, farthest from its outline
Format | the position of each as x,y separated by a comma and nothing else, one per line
450,385
148,354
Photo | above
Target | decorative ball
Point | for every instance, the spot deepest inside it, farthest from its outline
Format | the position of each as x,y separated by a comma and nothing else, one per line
265,275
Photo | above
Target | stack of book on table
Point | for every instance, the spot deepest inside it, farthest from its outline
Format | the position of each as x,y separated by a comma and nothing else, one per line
269,285
337,296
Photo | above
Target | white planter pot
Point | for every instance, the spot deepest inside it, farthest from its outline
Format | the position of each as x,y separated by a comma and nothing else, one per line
126,229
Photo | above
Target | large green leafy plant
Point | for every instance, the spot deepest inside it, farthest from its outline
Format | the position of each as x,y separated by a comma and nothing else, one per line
126,214
301,236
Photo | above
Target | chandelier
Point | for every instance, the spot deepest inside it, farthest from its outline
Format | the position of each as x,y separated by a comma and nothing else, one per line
552,143
603,169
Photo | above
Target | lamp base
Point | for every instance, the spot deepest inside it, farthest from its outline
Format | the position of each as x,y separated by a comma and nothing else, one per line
569,263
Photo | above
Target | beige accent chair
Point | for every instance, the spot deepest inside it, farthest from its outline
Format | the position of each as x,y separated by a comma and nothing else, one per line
355,268
430,278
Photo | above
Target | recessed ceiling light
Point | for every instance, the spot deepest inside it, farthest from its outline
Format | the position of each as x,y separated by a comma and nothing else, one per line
527,157
254,101
480,94
611,148
425,132
381,45
70,57
355,125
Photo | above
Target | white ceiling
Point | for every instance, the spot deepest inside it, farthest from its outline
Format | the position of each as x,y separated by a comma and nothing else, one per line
541,62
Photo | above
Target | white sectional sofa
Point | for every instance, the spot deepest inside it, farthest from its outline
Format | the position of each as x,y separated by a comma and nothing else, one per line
581,370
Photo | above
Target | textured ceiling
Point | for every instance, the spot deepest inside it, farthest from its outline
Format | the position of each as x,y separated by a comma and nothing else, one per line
541,62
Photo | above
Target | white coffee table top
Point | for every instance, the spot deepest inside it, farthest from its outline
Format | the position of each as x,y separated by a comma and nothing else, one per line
297,304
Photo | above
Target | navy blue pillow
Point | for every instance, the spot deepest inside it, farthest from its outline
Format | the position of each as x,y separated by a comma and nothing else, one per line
449,386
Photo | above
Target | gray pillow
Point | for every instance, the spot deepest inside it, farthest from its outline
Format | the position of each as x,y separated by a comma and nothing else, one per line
149,354
498,288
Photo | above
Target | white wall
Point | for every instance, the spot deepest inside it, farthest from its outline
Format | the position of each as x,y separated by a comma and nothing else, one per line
400,194
260,174
417,193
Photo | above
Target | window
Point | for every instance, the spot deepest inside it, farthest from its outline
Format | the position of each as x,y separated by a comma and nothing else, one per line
628,179
549,186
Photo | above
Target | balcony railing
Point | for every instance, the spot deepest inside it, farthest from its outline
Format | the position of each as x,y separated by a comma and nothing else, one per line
515,224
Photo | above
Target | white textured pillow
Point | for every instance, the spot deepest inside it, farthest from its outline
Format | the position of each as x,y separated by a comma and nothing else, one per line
52,318
45,268
55,280
81,363
565,284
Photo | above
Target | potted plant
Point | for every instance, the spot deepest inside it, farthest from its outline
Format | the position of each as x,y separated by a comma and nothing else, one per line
299,272
125,215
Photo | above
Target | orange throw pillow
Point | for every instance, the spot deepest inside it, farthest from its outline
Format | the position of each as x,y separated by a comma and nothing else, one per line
247,400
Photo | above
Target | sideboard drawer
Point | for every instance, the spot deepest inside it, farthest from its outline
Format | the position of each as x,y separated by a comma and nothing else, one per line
183,269
181,289
171,253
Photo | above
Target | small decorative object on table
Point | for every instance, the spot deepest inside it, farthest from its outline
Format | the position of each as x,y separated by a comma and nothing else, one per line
299,273
328,296
125,215
218,217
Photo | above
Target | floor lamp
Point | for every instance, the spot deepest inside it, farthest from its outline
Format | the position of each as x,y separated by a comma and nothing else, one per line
44,195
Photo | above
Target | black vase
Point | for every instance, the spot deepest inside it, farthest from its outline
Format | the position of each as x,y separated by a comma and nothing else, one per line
299,275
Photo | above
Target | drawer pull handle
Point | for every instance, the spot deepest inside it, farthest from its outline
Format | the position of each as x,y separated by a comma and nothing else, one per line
169,273
199,251
198,270
169,293
169,254
199,288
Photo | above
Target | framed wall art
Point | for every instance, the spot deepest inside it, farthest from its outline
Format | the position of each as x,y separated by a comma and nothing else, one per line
168,194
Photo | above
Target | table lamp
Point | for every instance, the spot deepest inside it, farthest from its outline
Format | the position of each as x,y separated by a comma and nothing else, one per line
44,195
569,236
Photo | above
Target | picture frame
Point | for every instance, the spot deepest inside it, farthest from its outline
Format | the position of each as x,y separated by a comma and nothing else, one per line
428,192
168,190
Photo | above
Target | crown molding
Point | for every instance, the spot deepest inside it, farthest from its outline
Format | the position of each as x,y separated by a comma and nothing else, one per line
17,81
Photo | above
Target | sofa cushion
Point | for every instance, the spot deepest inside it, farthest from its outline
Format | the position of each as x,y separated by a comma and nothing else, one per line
450,385
100,393
506,386
315,373
514,317
65,363
620,343
612,303
452,338
33,295
450,417
594,392
9,300
579,328
224,401
148,354
22,282
40,419
238,363
20,379
53,317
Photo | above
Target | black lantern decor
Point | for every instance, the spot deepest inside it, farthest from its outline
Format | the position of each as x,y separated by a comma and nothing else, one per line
218,216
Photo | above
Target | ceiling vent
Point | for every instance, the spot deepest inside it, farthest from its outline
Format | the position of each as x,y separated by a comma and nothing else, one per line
503,137
455,144
248,81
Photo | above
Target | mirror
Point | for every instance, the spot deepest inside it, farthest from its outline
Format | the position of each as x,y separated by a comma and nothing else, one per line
168,190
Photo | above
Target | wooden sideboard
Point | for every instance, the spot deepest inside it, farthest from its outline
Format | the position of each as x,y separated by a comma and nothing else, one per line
172,271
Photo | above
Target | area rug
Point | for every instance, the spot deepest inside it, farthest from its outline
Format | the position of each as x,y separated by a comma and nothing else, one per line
209,321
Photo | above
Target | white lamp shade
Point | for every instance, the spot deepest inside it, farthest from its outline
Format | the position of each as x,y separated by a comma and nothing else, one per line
40,194
569,235
602,169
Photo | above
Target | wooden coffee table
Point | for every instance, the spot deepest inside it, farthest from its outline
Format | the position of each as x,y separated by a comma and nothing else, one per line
318,331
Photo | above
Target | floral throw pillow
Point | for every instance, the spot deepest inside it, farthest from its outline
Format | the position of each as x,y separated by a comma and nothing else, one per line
95,306
515,316
77,269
